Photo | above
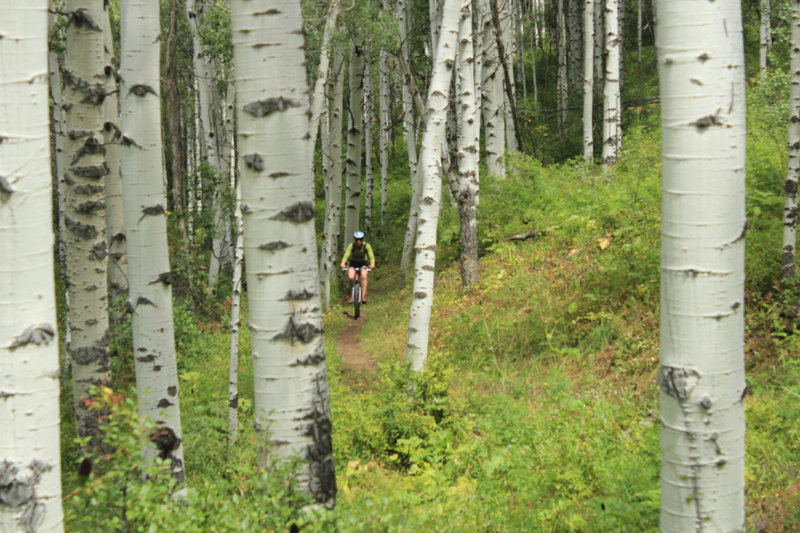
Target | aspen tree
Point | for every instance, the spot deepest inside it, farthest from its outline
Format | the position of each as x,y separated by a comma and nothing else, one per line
492,98
30,463
355,143
84,207
369,114
588,80
765,34
612,112
292,414
562,88
790,202
233,359
383,130
317,97
468,145
333,181
701,377
430,164
149,275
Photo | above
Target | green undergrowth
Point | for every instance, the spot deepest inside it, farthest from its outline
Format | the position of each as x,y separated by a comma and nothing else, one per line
538,410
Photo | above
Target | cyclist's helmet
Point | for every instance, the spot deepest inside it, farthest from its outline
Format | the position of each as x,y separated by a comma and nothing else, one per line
358,235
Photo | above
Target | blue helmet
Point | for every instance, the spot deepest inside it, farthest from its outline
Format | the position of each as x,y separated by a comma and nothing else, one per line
358,235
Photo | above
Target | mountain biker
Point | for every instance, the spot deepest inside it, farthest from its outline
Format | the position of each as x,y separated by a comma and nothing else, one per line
358,255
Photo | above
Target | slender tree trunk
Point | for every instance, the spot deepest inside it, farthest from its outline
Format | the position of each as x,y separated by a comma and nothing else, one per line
575,68
292,414
562,88
333,181
701,375
411,141
599,43
534,17
115,211
790,203
85,208
383,133
611,94
150,278
369,179
29,440
492,98
425,259
639,22
588,80
507,74
765,42
355,143
318,100
173,103
233,359
468,145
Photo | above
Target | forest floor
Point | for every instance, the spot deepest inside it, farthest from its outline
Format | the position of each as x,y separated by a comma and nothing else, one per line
359,367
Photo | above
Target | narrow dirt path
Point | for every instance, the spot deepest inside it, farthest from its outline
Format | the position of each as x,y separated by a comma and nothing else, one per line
359,368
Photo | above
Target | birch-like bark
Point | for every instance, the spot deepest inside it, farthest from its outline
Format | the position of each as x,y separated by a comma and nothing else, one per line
85,207
493,96
534,15
383,133
639,23
575,49
611,93
174,116
411,140
30,463
599,42
318,100
468,145
333,180
369,113
765,34
233,358
788,257
355,143
149,276
702,381
115,211
425,259
519,34
588,79
562,89
292,414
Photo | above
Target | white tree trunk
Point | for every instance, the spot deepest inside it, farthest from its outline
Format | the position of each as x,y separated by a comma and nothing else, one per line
493,96
765,41
562,89
233,359
290,377
383,134
701,71
411,141
588,79
85,207
333,181
369,113
599,42
318,100
30,463
468,149
575,49
790,202
425,259
115,211
150,291
611,94
355,143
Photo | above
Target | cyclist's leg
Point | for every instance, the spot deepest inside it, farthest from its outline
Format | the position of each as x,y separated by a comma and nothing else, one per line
364,273
351,275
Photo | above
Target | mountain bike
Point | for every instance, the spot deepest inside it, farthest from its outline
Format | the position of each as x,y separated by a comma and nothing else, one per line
355,292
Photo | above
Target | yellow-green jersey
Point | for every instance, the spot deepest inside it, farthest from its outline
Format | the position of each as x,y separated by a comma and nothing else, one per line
359,254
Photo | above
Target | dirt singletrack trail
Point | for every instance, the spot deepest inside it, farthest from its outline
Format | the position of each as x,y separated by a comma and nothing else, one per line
359,369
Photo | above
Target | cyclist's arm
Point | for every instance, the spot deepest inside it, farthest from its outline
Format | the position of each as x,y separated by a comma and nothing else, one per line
347,254
370,255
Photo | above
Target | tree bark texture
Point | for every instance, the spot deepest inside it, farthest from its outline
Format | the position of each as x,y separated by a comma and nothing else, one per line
562,87
492,98
355,144
612,109
588,80
150,278
30,463
383,131
430,163
788,258
292,414
701,377
85,207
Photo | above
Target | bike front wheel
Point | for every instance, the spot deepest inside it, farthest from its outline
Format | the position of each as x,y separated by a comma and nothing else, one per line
357,300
